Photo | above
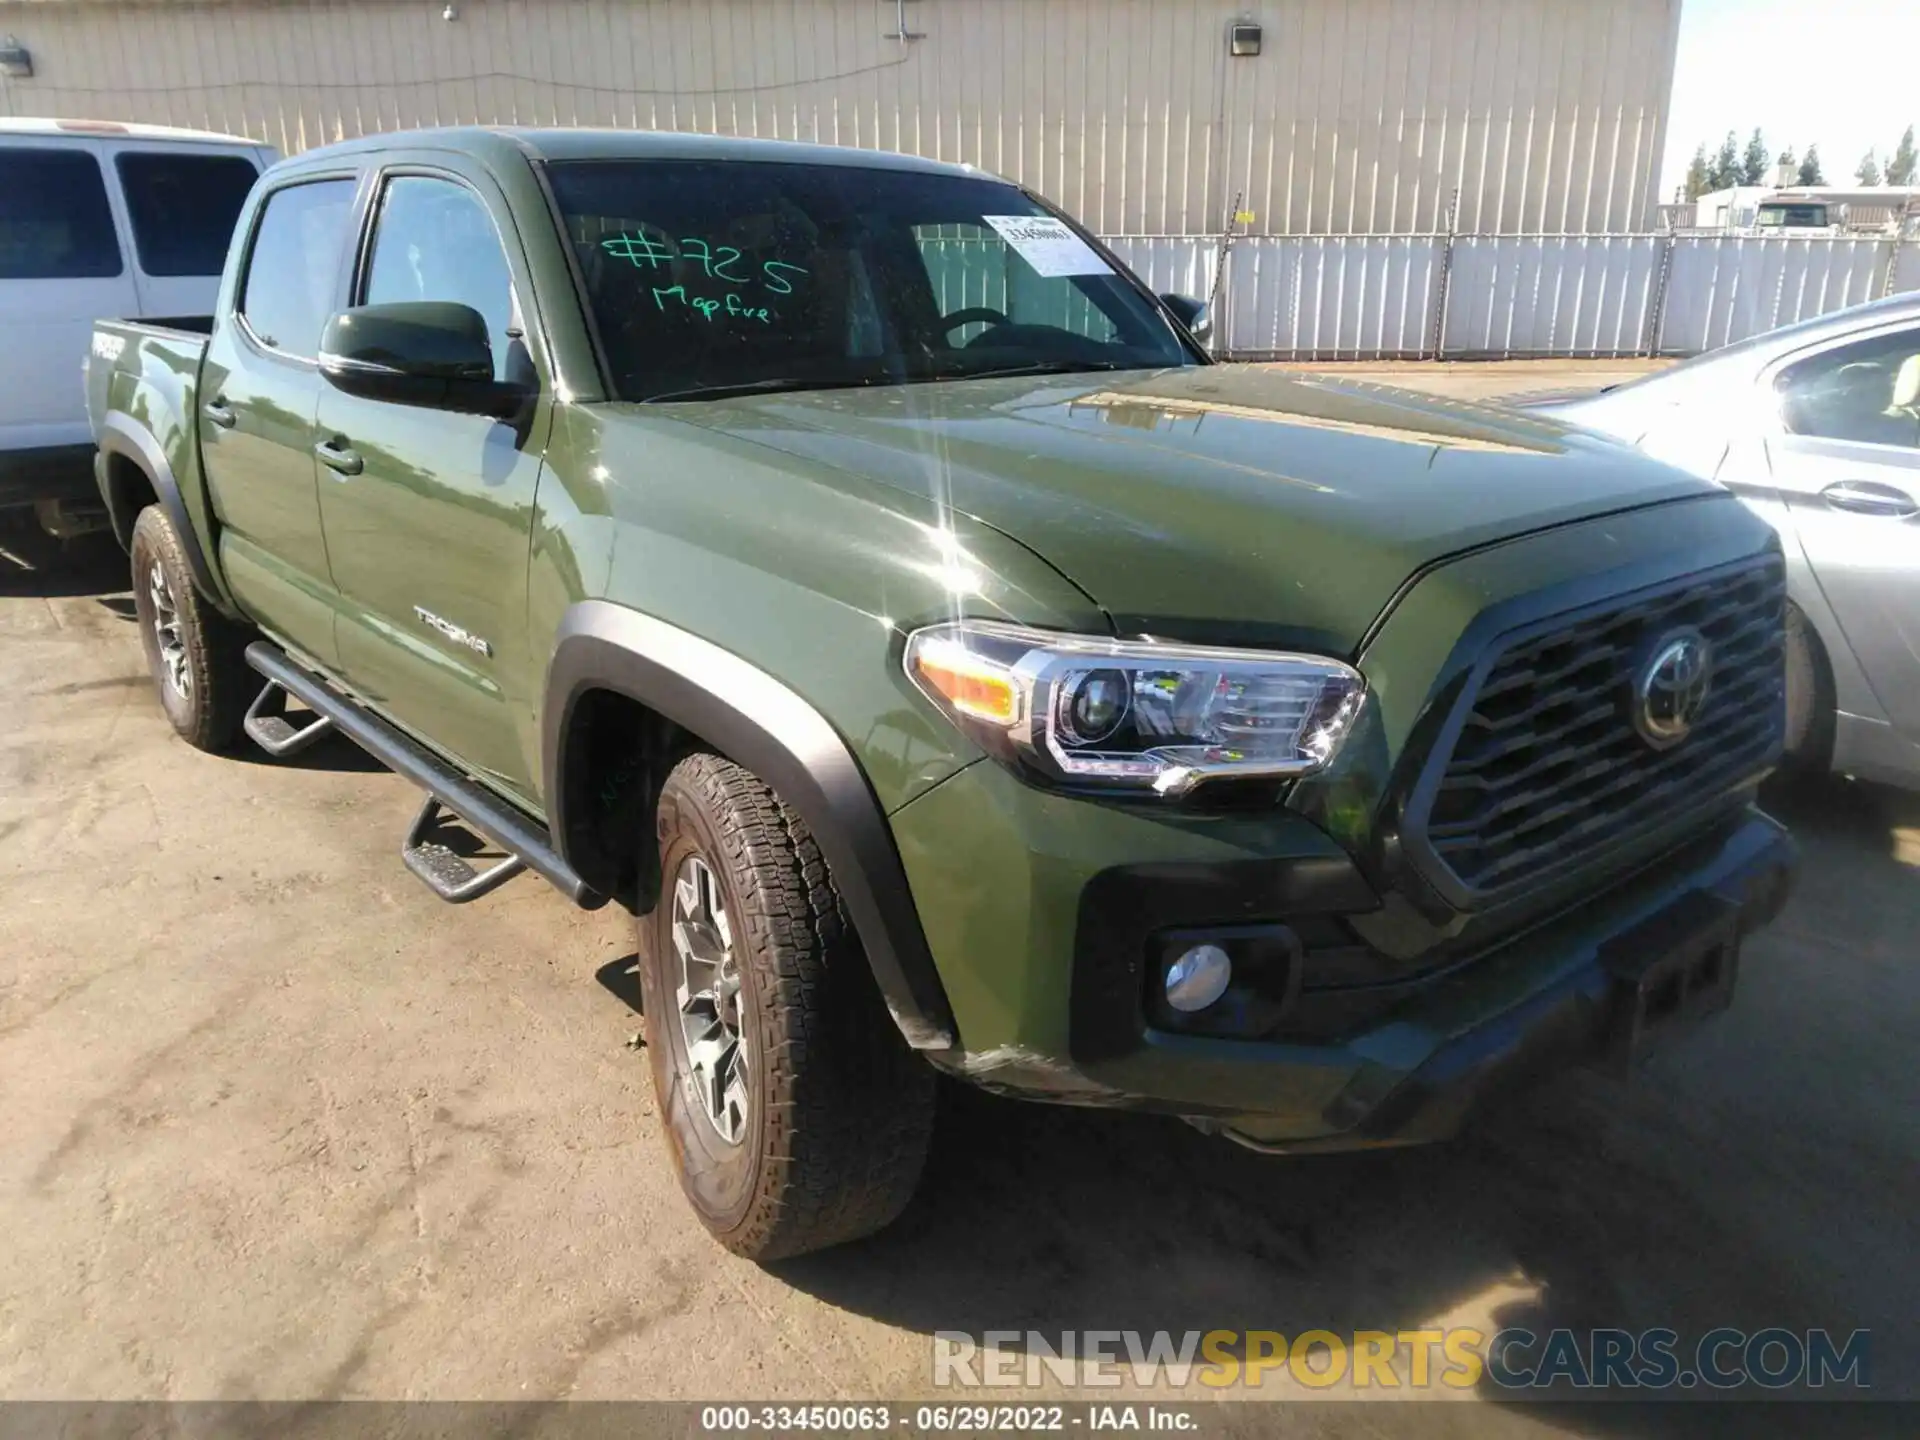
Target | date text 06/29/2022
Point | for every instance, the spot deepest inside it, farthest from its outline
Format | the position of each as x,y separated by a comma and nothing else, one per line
948,1419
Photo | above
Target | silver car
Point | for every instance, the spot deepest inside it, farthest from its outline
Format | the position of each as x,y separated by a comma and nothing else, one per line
1817,427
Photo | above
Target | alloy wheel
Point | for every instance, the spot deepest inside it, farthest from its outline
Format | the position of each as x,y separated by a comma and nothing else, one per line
710,1001
167,632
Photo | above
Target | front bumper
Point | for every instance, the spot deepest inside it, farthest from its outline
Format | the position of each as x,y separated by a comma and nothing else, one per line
1551,999
1394,1062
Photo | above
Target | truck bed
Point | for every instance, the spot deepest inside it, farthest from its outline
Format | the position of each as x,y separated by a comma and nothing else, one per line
167,331
142,382
120,347
126,352
175,324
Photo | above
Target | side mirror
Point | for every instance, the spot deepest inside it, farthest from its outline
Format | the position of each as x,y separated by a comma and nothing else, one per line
431,353
1191,313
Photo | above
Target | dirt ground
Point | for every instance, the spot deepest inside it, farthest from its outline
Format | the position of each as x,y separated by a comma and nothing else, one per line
280,1124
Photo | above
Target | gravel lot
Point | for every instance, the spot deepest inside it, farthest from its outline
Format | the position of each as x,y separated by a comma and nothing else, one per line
279,1124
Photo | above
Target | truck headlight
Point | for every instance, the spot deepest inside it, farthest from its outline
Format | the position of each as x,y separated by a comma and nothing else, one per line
1135,714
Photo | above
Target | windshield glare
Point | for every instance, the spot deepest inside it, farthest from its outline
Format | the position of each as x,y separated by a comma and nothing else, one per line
764,275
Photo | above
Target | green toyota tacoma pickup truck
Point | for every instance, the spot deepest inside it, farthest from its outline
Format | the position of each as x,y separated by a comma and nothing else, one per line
842,562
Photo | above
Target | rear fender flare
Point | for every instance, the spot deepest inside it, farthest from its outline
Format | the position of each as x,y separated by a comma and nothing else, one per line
757,722
121,435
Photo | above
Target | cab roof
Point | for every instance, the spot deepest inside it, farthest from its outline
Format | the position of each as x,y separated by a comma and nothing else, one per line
497,142
119,130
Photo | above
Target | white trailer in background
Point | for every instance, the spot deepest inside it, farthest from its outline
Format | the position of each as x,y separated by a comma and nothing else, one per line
1808,209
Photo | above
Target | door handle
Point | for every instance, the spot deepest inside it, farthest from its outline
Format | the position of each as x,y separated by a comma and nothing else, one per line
336,456
217,411
1865,497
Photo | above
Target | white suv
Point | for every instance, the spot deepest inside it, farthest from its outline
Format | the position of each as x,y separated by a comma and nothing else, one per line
98,220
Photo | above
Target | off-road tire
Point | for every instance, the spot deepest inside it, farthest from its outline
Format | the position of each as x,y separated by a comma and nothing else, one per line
209,713
841,1109
1810,700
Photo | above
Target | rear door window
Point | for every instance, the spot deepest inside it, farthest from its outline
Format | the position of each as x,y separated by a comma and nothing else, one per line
55,223
293,275
183,208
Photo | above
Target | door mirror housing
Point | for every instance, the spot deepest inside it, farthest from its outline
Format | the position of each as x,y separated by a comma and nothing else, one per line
431,353
1191,313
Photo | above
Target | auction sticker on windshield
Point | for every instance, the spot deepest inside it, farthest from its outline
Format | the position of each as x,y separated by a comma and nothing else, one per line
1048,245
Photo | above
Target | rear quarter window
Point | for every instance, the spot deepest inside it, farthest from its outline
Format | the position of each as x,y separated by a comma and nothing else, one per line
55,223
183,208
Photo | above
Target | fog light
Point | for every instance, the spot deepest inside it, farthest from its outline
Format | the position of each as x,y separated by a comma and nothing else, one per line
1198,978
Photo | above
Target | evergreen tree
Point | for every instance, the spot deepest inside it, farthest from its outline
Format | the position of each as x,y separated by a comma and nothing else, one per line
1901,168
1753,164
1697,172
1869,171
1724,172
1810,172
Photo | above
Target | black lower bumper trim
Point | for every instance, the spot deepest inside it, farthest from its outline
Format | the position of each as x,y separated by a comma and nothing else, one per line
1596,1015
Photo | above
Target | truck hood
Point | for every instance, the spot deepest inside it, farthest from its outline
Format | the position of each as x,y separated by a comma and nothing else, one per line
1550,400
1220,504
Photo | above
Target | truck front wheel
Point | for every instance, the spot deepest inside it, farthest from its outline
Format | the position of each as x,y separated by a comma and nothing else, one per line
194,653
797,1114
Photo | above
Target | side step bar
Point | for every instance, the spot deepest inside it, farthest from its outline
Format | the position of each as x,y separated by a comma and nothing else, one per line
444,870
525,841
268,727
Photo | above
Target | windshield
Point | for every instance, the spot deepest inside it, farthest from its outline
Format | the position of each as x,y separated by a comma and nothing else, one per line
707,279
1796,216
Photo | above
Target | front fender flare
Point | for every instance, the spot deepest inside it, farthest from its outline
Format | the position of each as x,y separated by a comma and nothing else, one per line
756,721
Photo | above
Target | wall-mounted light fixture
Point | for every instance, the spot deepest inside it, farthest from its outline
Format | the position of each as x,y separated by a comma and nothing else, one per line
449,13
15,62
1243,38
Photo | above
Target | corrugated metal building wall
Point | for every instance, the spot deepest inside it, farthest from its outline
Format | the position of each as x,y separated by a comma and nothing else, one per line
1358,116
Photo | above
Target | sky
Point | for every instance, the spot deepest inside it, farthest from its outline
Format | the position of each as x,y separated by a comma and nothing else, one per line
1844,74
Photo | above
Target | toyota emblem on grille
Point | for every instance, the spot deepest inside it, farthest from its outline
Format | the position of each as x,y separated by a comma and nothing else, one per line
1670,689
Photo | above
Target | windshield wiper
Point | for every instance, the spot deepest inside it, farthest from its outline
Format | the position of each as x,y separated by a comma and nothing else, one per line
1036,367
847,382
759,387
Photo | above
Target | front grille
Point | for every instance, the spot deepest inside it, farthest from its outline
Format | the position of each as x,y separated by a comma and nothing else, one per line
1548,766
